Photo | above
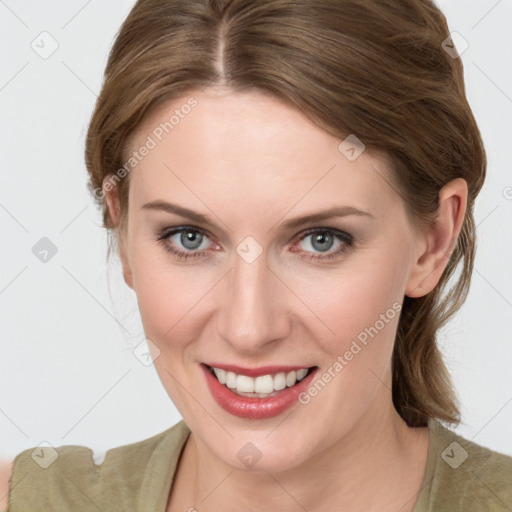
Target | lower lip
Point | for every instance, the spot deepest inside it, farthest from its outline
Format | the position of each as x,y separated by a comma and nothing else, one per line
253,407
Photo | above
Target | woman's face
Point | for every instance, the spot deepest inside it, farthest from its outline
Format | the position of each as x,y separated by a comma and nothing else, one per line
250,284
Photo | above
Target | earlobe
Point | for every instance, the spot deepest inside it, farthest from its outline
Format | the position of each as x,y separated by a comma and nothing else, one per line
439,240
112,200
114,209
127,271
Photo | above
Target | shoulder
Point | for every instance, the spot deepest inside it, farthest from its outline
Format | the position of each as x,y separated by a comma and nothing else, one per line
45,477
5,476
463,475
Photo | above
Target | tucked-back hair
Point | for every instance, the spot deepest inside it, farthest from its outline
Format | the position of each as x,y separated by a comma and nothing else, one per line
376,69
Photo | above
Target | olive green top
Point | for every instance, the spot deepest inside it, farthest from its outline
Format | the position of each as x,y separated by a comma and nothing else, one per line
461,476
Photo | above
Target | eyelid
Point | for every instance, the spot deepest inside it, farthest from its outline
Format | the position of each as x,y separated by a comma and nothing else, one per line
215,244
166,232
346,240
309,231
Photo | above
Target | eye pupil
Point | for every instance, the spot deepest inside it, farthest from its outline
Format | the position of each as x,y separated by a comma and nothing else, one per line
322,238
191,239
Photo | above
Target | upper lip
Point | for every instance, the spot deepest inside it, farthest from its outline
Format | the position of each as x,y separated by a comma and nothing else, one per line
256,372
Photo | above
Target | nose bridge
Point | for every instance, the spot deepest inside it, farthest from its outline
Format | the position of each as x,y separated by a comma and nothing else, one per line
252,315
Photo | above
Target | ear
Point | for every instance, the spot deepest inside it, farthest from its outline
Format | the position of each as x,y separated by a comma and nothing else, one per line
114,208
436,244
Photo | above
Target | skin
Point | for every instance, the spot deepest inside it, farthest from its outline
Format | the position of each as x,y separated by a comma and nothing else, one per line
5,475
250,162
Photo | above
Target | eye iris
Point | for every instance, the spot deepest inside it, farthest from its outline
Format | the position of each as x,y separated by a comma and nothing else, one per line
322,238
191,240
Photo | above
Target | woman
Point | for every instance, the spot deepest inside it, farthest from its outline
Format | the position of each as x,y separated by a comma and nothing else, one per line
289,186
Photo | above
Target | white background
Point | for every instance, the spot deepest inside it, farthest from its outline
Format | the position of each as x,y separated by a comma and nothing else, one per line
67,370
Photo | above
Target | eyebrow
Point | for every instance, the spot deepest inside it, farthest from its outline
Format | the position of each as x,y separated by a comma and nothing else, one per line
339,211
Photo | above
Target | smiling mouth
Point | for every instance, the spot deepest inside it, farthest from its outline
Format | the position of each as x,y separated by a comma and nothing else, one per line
263,386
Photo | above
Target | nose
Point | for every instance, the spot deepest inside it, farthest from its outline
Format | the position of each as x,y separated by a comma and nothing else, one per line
253,312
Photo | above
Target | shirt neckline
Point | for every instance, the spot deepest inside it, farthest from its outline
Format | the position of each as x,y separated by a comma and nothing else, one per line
161,471
437,438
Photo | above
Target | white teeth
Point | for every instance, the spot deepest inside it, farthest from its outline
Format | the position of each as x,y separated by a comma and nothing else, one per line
280,381
301,373
262,386
230,379
291,379
220,374
245,384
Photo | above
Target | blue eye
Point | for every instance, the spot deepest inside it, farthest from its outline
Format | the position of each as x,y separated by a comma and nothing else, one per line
189,238
323,240
186,242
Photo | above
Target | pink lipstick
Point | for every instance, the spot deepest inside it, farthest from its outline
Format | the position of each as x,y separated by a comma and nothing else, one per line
250,407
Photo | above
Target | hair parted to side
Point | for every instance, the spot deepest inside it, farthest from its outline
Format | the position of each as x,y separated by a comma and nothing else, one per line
376,69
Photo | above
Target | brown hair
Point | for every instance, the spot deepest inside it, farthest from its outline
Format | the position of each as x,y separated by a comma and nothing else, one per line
376,69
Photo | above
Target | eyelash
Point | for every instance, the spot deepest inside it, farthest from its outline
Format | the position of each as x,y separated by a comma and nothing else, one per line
346,239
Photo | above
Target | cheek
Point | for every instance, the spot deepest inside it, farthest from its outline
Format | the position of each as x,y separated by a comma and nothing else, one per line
361,306
359,301
336,305
168,294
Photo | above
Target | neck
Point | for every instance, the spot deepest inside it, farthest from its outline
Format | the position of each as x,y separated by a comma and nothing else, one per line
378,465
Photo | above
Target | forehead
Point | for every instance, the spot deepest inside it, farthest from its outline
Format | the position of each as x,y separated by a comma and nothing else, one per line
253,148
